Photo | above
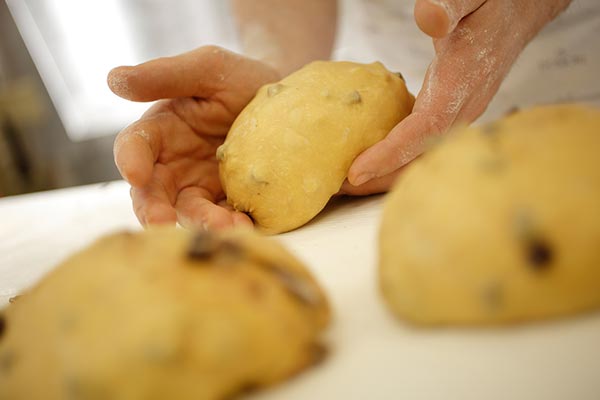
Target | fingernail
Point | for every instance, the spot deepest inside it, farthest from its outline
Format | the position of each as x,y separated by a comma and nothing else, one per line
363,178
117,82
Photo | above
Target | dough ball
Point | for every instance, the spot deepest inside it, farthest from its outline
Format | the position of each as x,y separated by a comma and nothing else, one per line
290,149
499,223
163,314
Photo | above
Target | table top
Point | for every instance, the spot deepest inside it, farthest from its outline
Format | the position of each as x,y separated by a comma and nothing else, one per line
373,355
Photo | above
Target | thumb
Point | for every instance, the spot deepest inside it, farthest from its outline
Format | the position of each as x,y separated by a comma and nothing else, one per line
405,142
438,18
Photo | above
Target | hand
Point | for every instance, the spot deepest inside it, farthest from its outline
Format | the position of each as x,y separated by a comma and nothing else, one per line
476,42
168,155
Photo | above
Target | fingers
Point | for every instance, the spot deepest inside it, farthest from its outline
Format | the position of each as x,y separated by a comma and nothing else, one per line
136,149
196,210
459,84
160,202
151,208
196,73
153,203
438,18
162,136
199,73
411,137
377,185
446,88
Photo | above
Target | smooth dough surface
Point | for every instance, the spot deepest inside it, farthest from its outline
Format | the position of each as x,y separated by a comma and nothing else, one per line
499,223
163,314
290,149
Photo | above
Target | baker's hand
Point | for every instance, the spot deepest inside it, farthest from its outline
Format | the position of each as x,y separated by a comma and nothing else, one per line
168,155
476,42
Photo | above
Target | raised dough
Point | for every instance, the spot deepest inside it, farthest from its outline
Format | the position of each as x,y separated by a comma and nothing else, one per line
499,223
290,149
163,314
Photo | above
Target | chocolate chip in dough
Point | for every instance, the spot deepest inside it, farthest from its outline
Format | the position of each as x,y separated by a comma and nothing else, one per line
539,254
243,390
353,97
512,110
231,248
319,353
538,250
399,75
203,246
491,129
14,299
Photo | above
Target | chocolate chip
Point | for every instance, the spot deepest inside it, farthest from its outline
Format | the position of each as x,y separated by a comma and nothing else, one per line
491,128
202,247
512,110
538,251
230,248
539,254
243,390
353,97
399,75
14,298
319,353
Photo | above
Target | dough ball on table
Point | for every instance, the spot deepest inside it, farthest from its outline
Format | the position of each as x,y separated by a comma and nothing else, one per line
290,149
498,223
163,314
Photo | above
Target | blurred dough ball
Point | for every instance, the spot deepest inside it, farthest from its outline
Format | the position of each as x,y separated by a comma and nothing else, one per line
163,314
498,223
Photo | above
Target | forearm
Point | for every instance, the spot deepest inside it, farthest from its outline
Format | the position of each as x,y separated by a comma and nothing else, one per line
286,34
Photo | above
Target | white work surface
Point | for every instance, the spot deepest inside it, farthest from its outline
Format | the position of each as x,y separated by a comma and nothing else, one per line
372,355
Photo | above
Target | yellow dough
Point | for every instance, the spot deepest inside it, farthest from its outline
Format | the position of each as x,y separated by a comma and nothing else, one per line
499,223
163,315
290,149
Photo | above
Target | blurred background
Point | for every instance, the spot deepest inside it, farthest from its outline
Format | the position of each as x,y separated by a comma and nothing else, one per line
58,118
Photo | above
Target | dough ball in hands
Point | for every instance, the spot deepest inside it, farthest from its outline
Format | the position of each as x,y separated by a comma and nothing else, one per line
290,149
498,223
163,314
